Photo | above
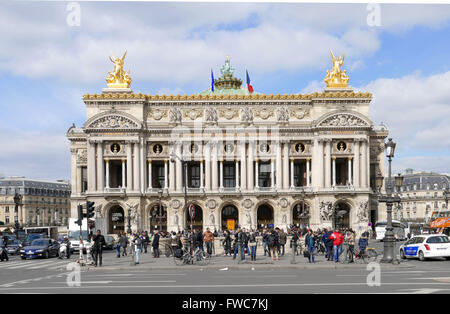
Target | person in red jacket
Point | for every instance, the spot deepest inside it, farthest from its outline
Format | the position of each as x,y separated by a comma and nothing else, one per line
338,239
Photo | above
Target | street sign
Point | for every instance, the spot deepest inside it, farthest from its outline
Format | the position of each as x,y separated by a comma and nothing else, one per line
192,211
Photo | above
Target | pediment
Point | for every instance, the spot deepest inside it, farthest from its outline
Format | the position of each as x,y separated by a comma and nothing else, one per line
344,119
114,121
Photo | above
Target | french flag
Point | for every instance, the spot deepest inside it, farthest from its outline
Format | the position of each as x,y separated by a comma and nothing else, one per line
212,81
249,86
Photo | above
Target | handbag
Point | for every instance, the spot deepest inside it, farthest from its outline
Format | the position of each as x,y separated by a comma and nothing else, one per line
306,254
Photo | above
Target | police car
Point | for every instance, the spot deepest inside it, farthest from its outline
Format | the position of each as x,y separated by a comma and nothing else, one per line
426,246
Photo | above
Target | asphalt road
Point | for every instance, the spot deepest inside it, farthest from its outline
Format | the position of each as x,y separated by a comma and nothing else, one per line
50,276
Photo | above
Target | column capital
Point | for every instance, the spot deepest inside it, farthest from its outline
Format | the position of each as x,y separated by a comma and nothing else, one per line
333,157
149,161
292,159
350,158
123,160
107,160
308,159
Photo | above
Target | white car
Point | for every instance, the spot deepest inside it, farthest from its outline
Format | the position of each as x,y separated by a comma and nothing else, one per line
426,246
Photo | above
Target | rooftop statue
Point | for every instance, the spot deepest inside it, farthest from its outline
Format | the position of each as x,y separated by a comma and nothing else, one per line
118,78
227,69
337,77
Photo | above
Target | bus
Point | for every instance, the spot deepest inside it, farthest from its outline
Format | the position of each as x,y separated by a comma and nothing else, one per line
399,230
440,219
49,232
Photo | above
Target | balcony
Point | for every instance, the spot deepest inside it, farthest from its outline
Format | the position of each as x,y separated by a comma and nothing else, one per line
343,188
299,189
114,190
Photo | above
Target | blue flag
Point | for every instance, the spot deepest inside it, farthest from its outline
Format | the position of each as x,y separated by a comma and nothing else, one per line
212,81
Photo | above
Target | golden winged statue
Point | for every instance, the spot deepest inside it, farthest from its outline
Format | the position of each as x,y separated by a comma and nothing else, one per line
118,78
337,77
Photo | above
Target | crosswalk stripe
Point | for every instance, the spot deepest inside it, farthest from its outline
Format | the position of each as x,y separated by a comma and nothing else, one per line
46,264
32,264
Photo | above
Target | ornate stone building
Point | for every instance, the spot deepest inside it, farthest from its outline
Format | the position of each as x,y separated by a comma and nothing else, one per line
251,159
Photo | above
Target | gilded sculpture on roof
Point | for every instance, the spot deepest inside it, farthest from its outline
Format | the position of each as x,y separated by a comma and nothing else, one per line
337,77
118,78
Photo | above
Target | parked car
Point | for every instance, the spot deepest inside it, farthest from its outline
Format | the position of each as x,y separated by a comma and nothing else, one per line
42,247
426,246
13,247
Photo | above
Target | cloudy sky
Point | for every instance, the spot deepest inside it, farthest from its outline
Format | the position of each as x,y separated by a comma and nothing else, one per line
46,65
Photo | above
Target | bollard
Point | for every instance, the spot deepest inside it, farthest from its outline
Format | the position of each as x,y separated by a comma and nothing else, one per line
294,251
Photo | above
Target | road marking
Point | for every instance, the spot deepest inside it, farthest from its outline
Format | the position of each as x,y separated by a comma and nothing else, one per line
111,281
32,264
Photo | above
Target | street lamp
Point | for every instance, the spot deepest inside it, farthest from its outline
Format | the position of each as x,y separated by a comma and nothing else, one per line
17,201
389,199
129,221
160,192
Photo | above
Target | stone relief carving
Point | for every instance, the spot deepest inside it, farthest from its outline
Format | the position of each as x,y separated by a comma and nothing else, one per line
175,115
264,113
343,120
211,204
282,114
175,204
228,113
158,114
212,218
98,211
363,212
326,211
299,113
283,203
211,115
247,115
193,113
82,155
113,122
247,203
176,219
248,216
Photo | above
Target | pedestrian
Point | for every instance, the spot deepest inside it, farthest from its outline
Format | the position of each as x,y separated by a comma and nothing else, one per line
325,236
338,239
99,242
208,238
363,242
138,244
283,240
4,245
155,244
266,242
239,243
252,244
310,240
273,242
124,244
146,241
227,243
350,239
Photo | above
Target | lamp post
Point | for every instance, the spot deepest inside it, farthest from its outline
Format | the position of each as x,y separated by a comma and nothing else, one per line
17,201
160,192
389,199
129,222
446,195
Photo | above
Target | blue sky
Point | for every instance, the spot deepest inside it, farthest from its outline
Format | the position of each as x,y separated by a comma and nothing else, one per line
46,66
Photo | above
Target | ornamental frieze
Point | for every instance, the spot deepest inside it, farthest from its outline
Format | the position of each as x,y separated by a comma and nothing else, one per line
211,115
282,115
157,114
175,115
247,115
193,113
343,120
82,156
113,122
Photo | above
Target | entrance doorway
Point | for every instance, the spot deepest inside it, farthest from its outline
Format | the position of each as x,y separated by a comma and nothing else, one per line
264,217
197,221
301,215
230,218
116,220
158,217
341,217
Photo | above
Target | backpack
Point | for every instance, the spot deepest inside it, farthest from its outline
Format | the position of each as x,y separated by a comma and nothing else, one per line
271,240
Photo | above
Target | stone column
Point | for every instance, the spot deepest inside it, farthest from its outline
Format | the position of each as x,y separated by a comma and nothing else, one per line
74,178
292,173
279,180
221,175
142,164
356,163
166,175
286,167
136,172
92,182
201,175
179,167
256,173
368,164
250,175
107,173
308,176
334,170
208,167
124,174
172,177
150,186
100,167
321,168
349,170
243,166
237,173
129,167
79,179
214,165
328,164
272,173
364,165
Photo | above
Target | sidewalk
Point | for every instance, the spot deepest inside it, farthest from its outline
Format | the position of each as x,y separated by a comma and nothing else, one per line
147,262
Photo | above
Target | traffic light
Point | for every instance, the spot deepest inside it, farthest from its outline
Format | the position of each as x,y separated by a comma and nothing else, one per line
90,209
80,215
